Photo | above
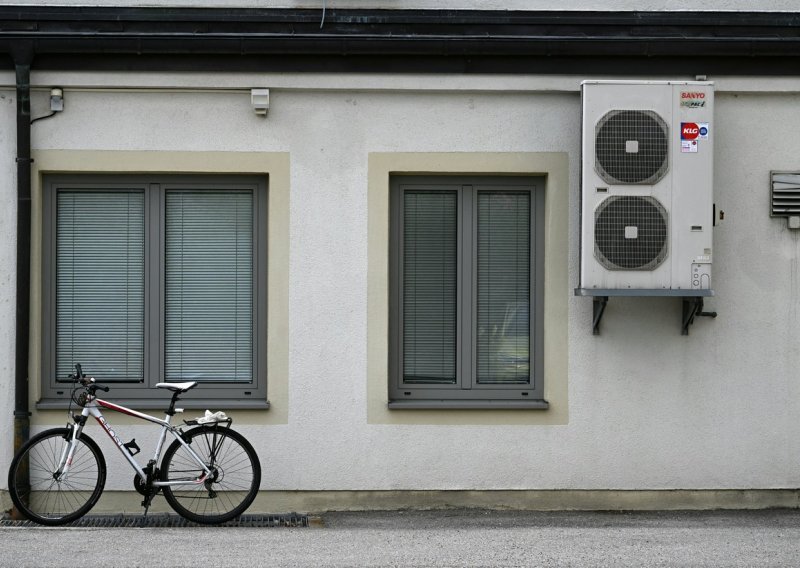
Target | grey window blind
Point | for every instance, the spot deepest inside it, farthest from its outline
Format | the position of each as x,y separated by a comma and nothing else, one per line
503,310
430,245
100,283
208,330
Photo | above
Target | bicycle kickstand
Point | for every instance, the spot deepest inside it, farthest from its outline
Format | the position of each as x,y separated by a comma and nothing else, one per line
146,504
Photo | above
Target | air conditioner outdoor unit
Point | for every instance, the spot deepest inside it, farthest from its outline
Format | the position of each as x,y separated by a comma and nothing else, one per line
646,205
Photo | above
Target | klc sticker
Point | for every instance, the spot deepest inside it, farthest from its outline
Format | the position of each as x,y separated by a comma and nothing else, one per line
689,131
694,130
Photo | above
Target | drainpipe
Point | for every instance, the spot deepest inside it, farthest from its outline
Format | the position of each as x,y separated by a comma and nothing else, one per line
22,63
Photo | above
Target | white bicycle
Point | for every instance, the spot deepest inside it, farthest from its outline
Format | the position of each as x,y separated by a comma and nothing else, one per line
209,474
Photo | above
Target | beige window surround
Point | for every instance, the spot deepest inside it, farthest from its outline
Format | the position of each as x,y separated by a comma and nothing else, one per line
274,165
555,167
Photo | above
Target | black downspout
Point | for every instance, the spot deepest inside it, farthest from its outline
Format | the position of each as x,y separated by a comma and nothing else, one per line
22,64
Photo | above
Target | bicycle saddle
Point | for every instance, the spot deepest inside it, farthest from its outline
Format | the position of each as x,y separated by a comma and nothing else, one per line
177,387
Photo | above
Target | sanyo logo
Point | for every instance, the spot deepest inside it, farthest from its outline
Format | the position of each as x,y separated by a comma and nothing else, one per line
693,99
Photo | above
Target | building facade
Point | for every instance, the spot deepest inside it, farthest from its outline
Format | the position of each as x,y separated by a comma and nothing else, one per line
374,272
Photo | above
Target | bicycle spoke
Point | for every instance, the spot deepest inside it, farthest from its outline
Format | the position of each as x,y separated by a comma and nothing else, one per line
53,499
227,490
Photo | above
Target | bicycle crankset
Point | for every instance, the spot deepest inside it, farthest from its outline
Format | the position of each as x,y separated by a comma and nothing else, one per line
143,489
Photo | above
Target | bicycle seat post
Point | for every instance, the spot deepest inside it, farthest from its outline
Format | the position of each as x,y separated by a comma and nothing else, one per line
171,409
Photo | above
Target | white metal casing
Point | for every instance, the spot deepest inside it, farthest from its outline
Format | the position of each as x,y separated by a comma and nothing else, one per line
684,191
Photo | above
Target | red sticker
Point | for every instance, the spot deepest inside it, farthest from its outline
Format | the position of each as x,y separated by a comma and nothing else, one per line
689,131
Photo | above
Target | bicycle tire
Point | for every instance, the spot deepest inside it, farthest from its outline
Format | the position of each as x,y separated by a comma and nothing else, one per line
49,501
231,488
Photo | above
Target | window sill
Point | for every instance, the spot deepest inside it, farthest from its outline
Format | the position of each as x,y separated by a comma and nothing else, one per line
163,403
468,405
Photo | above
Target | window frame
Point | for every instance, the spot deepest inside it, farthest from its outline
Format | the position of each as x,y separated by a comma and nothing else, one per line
466,392
155,186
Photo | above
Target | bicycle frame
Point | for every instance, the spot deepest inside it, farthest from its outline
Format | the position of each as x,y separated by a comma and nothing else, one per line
92,408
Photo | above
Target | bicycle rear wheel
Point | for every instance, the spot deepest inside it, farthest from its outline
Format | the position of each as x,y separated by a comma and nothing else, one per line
42,494
232,485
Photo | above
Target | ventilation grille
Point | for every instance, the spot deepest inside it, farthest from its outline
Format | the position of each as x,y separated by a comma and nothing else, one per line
785,194
631,147
169,520
630,233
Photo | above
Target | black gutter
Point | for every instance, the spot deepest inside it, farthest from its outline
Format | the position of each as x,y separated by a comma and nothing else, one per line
22,63
403,40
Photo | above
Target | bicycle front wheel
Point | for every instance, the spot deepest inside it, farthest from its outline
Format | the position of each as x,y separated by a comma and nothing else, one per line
46,495
232,485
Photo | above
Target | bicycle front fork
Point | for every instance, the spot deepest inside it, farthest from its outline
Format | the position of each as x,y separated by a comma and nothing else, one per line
68,451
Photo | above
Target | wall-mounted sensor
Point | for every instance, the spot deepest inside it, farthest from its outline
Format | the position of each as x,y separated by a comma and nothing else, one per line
56,99
259,98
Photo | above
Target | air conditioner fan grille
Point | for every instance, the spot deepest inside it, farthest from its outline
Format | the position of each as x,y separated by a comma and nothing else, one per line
630,233
631,147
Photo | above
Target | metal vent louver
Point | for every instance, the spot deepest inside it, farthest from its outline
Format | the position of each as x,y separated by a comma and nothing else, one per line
631,147
630,233
785,194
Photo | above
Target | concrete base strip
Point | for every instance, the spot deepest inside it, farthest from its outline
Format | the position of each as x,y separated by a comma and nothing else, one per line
128,502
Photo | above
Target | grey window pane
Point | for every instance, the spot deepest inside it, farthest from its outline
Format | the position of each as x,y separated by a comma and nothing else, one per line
209,286
503,279
429,298
100,283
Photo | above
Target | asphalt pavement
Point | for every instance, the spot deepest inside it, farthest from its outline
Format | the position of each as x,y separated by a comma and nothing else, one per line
431,538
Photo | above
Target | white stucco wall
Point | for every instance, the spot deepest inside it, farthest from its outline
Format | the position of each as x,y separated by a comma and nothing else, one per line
648,408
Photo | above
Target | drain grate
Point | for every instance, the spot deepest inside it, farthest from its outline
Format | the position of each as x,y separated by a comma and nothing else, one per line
167,520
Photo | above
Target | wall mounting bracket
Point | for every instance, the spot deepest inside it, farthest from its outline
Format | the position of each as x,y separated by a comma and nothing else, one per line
692,307
692,303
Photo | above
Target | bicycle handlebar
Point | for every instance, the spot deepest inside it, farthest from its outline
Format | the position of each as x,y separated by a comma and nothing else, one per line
87,381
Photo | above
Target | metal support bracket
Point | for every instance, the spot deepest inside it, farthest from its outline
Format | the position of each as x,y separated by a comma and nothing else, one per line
598,307
693,307
692,303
